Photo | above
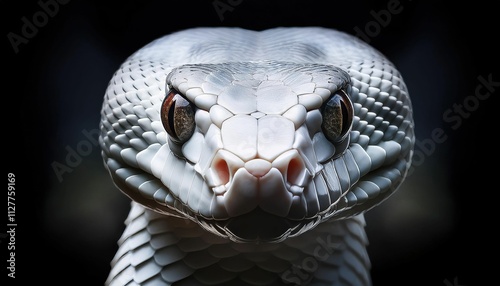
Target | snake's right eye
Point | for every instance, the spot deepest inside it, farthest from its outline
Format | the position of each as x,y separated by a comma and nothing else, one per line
337,117
177,117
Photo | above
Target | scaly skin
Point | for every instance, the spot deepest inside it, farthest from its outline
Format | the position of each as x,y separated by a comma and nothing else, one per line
259,190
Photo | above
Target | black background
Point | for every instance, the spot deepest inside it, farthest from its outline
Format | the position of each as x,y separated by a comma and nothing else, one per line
440,228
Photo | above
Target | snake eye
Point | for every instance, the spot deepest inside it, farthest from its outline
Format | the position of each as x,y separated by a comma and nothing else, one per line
177,117
337,115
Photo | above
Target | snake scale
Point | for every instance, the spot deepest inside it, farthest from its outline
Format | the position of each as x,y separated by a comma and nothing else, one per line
250,157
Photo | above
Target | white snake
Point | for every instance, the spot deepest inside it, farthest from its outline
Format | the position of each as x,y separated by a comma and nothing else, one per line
251,156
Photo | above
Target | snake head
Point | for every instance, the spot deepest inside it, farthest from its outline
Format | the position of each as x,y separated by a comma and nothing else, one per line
260,147
258,150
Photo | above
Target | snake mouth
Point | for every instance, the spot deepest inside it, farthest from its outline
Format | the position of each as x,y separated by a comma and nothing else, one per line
260,226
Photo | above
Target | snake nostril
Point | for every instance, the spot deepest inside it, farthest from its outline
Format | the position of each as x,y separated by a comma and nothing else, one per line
295,168
222,171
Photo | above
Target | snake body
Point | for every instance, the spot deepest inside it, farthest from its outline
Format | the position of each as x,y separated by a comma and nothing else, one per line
251,156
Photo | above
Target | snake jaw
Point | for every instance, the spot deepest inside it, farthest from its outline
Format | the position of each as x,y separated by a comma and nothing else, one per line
267,227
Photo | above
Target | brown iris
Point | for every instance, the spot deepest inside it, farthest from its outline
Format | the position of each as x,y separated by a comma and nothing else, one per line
177,117
337,115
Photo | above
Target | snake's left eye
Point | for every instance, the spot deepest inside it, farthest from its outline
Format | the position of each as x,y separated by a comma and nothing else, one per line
177,117
337,115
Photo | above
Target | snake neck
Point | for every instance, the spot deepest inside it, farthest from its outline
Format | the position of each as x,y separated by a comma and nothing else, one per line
163,250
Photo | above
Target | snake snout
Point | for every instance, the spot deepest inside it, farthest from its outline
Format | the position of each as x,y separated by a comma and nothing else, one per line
258,167
264,198
258,183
